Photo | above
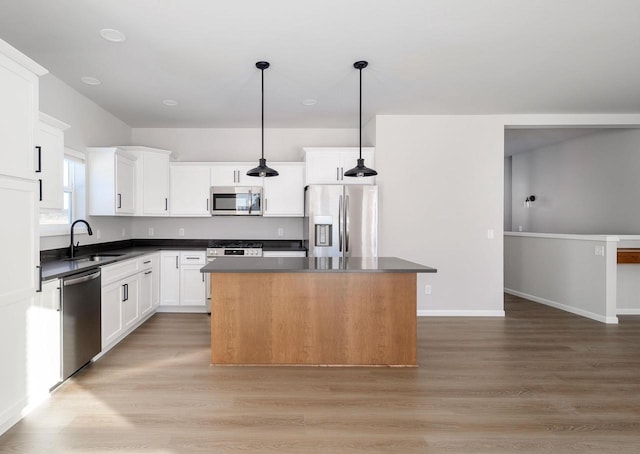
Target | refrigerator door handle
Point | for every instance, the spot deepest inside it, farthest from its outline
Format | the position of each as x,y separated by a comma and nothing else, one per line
346,224
340,229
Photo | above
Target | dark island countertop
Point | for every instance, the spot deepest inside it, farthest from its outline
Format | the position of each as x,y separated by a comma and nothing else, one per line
314,264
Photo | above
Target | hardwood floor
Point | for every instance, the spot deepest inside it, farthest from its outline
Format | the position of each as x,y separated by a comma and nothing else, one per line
540,380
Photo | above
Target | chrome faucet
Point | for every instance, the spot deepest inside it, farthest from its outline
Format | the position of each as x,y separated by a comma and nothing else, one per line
72,249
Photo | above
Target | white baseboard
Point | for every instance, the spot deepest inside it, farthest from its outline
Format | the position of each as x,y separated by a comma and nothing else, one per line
12,415
628,311
458,313
183,309
564,307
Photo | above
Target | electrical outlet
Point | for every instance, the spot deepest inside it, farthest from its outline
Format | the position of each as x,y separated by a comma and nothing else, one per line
427,289
599,251
150,231
280,231
181,232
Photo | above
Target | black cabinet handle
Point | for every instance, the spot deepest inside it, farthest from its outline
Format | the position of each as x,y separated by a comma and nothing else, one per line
148,261
166,204
176,262
148,272
39,279
125,292
39,169
119,200
40,184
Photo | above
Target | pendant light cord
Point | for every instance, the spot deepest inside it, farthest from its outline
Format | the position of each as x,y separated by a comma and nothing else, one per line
360,114
262,77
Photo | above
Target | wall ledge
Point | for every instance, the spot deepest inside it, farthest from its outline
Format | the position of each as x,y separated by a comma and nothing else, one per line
569,236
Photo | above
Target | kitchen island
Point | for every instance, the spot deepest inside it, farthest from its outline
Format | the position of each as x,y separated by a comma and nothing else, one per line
323,311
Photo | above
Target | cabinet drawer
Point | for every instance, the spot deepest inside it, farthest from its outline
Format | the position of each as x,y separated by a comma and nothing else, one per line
193,258
147,262
120,270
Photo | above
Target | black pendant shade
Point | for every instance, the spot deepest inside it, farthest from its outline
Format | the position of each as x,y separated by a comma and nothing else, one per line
262,170
360,170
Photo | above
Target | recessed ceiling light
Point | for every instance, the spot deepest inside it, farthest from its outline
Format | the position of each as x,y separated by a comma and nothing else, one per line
170,102
90,80
309,102
115,36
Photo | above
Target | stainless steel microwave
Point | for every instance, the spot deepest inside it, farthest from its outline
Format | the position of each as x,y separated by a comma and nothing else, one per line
236,200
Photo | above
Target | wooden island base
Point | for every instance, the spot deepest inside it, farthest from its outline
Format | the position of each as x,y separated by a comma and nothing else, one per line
323,319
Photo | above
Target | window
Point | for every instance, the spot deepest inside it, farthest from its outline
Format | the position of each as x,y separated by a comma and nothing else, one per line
56,222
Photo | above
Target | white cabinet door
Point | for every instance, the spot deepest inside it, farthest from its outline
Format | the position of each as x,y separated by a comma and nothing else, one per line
18,117
232,174
170,278
130,301
192,286
50,142
327,165
284,194
146,292
190,186
155,184
322,166
125,185
45,356
112,296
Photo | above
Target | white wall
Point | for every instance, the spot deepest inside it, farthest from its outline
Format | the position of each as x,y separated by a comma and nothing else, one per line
219,227
507,194
441,190
587,185
241,144
91,125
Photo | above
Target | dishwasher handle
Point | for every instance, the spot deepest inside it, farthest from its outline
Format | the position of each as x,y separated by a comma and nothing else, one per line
83,278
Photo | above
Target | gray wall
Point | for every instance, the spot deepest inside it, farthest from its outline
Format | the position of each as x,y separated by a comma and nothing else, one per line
588,185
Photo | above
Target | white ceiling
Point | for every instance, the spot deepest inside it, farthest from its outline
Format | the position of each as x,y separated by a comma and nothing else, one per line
426,57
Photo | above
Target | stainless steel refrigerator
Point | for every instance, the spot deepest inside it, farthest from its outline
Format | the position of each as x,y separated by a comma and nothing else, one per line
341,221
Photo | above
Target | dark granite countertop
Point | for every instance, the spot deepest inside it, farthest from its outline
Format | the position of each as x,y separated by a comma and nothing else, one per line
55,263
314,264
65,267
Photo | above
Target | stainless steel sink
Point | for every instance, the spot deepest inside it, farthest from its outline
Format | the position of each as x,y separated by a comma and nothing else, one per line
95,258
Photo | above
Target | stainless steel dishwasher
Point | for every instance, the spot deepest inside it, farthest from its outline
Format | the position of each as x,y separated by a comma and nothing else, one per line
81,320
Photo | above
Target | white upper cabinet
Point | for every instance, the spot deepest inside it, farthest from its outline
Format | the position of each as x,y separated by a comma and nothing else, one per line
233,174
190,184
284,194
327,165
112,181
50,161
18,112
152,180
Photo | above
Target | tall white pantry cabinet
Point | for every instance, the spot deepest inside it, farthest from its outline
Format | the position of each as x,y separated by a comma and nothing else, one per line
19,194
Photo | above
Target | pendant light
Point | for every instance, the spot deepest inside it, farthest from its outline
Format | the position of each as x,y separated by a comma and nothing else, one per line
360,170
262,170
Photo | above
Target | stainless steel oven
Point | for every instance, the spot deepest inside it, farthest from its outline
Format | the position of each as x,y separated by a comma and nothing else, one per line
236,200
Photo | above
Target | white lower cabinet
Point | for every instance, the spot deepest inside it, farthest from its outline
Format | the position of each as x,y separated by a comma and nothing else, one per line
111,313
127,297
44,341
182,284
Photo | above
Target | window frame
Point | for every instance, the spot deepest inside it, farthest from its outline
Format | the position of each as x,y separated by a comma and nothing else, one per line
77,211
